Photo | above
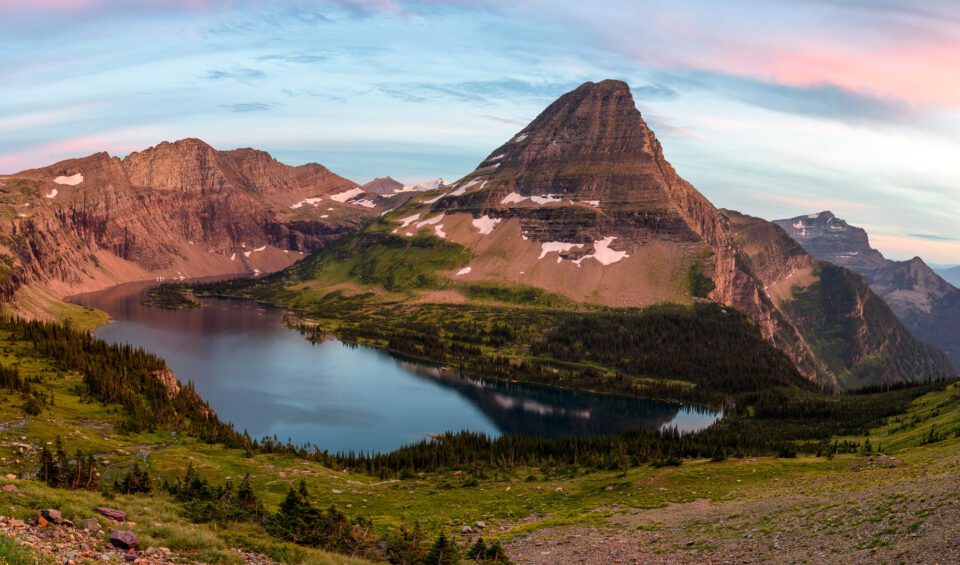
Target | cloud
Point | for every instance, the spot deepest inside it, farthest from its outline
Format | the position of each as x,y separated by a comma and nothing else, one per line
825,100
931,237
240,74
502,120
244,107
478,92
298,58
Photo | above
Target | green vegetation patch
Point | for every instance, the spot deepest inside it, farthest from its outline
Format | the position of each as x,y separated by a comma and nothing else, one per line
170,297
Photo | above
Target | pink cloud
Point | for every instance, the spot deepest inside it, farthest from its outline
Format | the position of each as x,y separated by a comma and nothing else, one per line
905,247
799,44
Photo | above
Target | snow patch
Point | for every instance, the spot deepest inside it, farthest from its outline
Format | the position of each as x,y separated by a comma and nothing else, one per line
594,203
485,224
247,253
556,247
311,201
430,221
464,271
431,184
498,157
347,195
603,253
233,257
433,200
545,198
440,232
52,194
464,188
256,271
520,138
261,248
72,180
404,222
513,198
324,216
366,203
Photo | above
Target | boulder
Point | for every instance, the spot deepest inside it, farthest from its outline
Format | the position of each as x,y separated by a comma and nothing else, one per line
9,488
11,477
51,515
480,525
466,530
124,539
112,513
90,525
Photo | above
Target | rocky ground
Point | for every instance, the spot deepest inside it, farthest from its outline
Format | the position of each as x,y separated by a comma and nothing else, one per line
55,539
881,512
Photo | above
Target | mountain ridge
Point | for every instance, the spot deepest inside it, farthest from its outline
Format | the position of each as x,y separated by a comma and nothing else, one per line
925,302
582,203
176,209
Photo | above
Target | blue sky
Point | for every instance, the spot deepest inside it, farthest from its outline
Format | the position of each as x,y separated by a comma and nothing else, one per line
774,108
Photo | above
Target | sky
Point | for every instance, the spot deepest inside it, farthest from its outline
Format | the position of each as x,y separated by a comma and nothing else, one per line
776,108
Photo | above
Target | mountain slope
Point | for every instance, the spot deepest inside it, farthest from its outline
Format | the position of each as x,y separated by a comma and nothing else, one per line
582,203
928,305
176,209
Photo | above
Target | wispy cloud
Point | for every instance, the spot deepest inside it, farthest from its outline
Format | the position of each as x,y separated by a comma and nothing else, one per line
932,237
244,107
240,74
827,101
479,91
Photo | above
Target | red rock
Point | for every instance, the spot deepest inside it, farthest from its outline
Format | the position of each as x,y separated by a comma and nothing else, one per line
112,513
124,539
51,515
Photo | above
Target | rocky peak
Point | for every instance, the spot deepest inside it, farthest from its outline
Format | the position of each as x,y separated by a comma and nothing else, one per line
827,237
382,185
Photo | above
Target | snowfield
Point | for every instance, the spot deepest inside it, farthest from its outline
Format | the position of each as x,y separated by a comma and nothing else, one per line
430,221
404,222
485,224
311,201
72,180
556,247
347,195
603,253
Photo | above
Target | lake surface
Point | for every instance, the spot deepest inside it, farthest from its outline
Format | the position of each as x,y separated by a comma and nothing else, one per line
267,379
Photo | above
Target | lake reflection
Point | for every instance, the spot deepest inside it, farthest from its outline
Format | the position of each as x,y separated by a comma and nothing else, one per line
267,379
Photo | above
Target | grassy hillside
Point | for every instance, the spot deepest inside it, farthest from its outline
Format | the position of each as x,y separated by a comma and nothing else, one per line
514,500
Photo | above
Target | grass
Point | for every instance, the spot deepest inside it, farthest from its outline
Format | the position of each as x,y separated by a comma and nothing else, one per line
13,554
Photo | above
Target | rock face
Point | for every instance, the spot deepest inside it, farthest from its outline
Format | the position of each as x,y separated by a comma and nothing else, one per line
928,305
582,202
176,209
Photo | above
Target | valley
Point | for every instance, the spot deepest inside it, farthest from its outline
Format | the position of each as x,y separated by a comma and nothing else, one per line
569,352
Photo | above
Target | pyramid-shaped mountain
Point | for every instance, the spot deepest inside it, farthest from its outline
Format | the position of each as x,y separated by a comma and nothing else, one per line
583,203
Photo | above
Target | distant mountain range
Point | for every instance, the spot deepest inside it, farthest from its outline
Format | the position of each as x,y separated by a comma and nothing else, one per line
950,274
926,303
179,209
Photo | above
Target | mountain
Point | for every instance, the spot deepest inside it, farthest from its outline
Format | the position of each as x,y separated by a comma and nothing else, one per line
176,209
950,274
582,203
926,303
383,185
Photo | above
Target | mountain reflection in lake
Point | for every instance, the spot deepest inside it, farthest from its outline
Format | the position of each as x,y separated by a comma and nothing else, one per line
265,378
